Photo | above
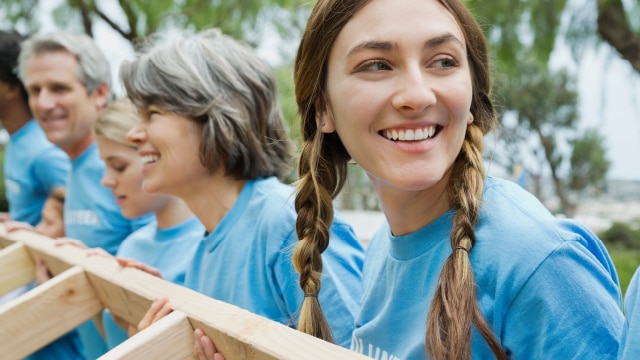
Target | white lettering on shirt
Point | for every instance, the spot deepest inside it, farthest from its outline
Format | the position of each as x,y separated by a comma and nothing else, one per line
81,217
371,351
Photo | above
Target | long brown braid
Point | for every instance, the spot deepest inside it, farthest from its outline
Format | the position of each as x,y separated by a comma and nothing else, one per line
454,307
322,169
319,184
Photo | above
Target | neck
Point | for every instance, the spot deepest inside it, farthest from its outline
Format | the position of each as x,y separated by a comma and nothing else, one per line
174,212
211,197
407,212
76,149
14,117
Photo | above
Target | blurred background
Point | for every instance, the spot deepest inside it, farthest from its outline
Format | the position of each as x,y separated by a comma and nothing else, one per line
567,86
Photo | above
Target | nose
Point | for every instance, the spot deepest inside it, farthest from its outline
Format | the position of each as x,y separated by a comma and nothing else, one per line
414,93
107,180
43,100
138,133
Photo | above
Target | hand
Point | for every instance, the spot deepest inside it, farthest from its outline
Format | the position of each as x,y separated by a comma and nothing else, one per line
204,348
18,225
42,271
138,265
68,241
99,252
159,309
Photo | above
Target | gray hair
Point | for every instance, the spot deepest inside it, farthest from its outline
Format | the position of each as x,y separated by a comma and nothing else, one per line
93,67
223,87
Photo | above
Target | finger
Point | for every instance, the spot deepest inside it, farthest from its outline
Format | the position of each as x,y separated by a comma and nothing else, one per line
42,272
207,345
198,351
68,241
124,262
147,319
166,310
99,252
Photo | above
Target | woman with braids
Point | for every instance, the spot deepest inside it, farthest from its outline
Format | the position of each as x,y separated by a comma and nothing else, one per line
466,265
212,134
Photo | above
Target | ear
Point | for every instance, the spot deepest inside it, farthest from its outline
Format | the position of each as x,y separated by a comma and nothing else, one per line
101,95
471,118
9,91
324,119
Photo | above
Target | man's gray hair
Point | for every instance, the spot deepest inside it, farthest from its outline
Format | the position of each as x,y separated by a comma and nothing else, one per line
93,67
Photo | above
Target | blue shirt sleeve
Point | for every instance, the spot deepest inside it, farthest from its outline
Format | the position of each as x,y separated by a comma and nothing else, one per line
630,341
51,169
567,309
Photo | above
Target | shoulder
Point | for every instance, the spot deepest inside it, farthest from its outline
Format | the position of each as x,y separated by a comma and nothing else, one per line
516,235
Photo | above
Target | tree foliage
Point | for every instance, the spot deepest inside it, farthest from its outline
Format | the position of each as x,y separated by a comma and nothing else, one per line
538,104
539,129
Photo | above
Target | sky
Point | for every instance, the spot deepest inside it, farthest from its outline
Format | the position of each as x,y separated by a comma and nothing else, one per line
609,92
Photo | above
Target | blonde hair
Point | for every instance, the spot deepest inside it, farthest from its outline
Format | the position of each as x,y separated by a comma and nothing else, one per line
116,120
323,167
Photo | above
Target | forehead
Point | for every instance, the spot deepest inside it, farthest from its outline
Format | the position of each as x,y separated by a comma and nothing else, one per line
399,21
51,66
110,149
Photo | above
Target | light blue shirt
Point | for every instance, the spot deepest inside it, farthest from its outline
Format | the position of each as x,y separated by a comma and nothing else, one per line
630,343
247,261
546,287
169,250
92,216
33,167
90,211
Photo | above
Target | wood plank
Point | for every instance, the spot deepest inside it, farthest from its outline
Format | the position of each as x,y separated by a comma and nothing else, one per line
170,338
238,333
46,312
17,267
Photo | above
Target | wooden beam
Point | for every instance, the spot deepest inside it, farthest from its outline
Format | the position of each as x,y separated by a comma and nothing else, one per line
46,312
127,292
17,267
169,338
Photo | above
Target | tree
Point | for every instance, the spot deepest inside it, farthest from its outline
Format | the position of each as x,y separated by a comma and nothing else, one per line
616,28
589,163
135,20
543,104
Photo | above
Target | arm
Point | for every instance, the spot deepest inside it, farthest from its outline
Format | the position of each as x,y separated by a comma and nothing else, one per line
568,308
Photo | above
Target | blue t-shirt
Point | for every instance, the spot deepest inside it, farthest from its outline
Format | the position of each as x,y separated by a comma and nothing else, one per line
92,216
630,342
90,211
169,250
546,287
33,167
247,261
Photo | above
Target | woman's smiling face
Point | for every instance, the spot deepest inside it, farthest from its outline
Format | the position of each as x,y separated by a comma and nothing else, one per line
168,145
399,92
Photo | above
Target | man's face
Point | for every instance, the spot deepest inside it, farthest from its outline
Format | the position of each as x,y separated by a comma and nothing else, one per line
60,102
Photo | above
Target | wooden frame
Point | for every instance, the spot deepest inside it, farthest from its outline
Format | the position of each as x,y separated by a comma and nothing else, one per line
83,286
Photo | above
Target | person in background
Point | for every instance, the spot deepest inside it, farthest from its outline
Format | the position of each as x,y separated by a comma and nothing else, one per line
167,244
466,265
34,168
212,134
630,341
67,79
51,218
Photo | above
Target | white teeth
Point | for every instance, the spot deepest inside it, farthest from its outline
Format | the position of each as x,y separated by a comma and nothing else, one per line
410,134
146,159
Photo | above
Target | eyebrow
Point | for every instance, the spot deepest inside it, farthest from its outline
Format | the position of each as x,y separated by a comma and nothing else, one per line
386,46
